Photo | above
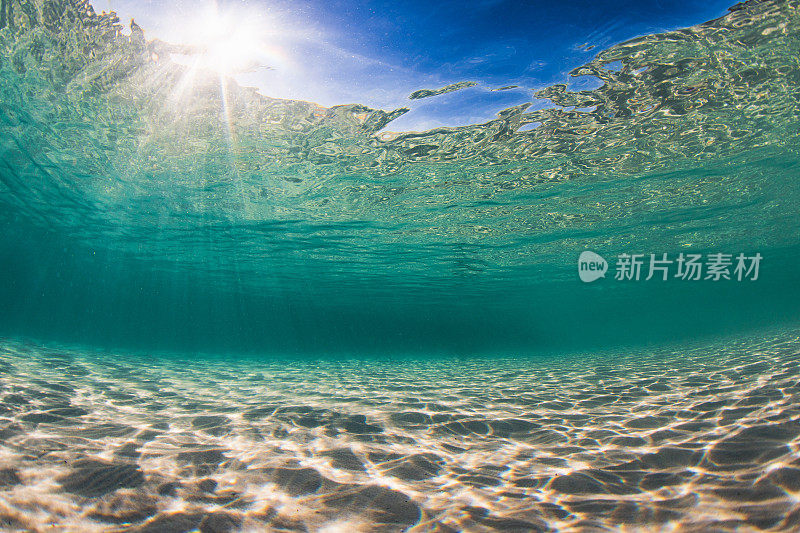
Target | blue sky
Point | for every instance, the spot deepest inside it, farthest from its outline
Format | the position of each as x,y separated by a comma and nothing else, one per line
378,52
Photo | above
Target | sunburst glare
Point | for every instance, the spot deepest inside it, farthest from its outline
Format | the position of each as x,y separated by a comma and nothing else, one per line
228,42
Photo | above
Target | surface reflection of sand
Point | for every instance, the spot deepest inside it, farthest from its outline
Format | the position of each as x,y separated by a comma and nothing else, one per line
702,438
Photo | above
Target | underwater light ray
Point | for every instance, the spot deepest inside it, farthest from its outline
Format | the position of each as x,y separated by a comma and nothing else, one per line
429,276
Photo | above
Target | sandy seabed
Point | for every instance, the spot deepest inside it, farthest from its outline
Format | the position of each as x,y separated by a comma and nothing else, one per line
703,437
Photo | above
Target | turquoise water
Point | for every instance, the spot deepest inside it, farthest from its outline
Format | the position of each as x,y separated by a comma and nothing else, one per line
146,205
158,221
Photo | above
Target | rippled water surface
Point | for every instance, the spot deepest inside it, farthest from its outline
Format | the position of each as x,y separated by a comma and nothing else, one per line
226,311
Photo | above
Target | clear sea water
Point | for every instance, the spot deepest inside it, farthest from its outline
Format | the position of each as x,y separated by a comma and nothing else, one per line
301,289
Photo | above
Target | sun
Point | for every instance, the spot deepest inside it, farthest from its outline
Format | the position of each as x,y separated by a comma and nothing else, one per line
226,42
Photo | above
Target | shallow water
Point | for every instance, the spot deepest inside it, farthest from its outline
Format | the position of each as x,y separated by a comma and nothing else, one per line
226,311
179,212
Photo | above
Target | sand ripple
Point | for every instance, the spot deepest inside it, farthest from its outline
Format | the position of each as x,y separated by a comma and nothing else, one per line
696,438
